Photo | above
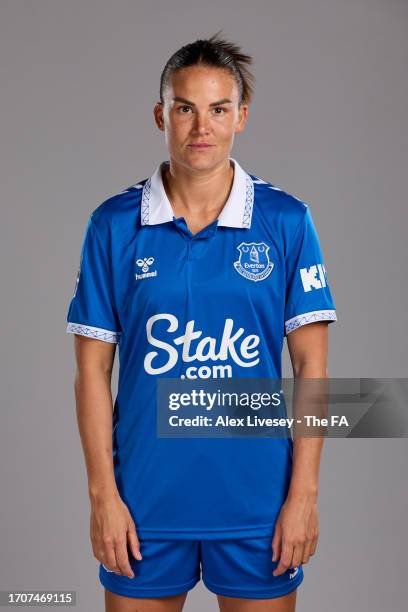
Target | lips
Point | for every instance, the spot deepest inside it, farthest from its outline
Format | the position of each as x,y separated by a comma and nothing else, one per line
200,145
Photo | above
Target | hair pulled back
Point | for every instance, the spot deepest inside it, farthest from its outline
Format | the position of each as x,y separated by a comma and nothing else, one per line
217,52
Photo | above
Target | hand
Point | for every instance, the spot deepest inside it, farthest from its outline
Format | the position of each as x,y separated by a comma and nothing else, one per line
112,527
296,532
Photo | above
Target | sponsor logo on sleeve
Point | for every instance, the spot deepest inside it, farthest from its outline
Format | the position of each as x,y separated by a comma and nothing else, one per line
313,277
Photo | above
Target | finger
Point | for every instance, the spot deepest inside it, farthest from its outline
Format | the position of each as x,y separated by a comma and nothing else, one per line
276,543
306,552
314,545
285,561
122,559
298,554
108,559
134,543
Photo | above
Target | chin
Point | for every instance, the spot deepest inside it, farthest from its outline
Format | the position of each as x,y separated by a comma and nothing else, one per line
201,160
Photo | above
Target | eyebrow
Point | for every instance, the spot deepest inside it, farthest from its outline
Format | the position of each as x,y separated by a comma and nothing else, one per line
218,103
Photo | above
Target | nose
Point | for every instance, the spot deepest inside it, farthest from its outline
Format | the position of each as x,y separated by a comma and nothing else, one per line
201,123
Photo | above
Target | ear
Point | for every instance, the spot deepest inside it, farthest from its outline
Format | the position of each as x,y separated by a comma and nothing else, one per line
158,115
242,118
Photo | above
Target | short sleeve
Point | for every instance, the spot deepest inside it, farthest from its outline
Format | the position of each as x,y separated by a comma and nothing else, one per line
92,310
308,296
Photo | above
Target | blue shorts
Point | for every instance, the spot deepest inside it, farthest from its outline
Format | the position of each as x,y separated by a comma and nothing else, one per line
235,568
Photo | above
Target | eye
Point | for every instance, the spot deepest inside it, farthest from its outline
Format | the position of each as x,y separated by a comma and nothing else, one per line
181,109
219,108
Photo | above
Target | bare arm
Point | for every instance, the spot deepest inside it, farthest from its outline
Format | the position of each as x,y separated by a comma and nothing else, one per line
308,351
296,533
111,523
94,413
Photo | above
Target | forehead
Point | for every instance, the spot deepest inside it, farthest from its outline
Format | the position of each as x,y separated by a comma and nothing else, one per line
210,80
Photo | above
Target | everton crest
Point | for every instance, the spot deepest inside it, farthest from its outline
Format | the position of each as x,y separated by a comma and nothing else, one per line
253,262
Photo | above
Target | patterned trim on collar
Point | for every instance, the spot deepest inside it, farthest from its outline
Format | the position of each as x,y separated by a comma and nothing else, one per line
237,211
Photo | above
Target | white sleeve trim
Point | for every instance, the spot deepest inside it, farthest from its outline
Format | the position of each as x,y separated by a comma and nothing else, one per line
309,317
93,332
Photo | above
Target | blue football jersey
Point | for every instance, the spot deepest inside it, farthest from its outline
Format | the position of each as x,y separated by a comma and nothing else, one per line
215,304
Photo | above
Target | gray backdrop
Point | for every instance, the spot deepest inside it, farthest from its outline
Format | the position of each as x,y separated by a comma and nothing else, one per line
328,124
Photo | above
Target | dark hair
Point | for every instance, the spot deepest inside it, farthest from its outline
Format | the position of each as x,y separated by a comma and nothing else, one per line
217,52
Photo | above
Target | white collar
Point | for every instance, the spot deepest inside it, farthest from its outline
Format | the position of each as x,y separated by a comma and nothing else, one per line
237,211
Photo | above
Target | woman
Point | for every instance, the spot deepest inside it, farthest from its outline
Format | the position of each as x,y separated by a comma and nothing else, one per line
198,272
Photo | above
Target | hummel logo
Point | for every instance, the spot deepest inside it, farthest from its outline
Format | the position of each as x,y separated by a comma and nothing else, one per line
293,574
145,264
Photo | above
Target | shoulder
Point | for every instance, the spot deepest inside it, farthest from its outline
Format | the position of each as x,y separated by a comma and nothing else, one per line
117,208
274,202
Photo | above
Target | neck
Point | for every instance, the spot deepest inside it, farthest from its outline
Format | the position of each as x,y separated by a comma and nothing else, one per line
198,193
